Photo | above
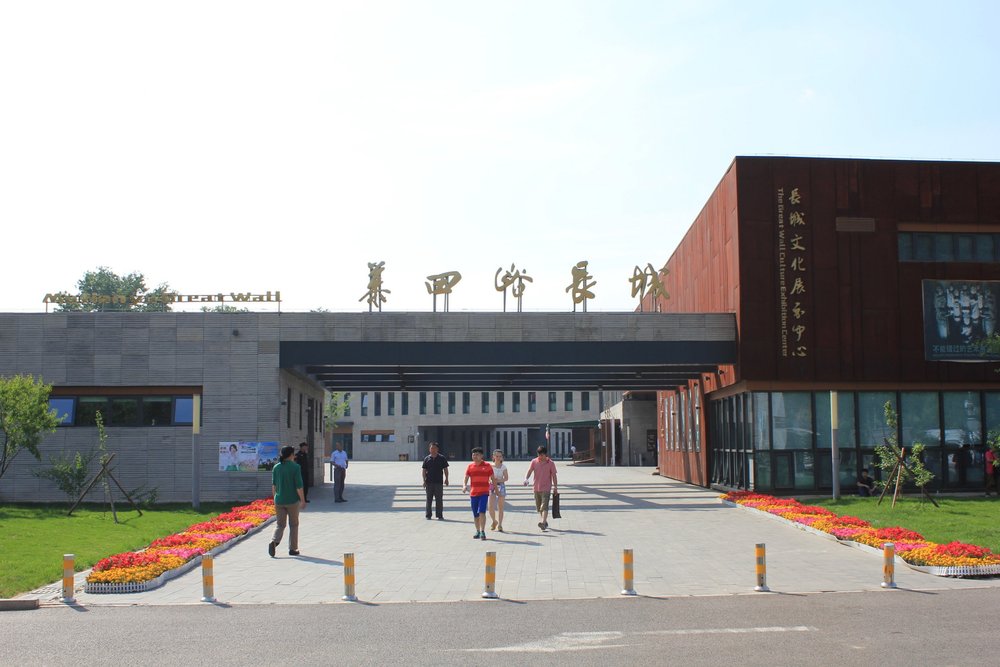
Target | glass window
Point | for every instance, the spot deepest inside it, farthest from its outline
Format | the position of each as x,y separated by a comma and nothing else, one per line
364,404
466,402
791,420
404,403
761,421
515,401
500,402
124,412
183,410
962,422
905,245
964,244
871,417
984,248
923,245
87,408
346,402
552,401
156,410
485,399
378,403
919,419
568,401
532,401
944,250
390,399
288,408
845,417
451,402
64,409
696,414
585,400
437,402
762,474
992,400
423,402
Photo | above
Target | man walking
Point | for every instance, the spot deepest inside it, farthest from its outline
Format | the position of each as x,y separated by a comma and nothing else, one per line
286,487
546,483
302,458
435,472
339,461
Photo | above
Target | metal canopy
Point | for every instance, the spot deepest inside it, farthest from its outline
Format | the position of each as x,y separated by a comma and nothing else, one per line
525,365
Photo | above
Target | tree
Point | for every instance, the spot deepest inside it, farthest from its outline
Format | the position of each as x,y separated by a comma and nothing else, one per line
336,405
25,417
899,466
124,293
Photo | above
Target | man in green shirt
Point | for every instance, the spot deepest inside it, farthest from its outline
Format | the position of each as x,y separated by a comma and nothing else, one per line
286,485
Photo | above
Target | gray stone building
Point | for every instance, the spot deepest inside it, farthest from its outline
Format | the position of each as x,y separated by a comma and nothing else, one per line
261,378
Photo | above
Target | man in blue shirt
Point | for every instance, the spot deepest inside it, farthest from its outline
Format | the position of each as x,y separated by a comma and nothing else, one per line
286,485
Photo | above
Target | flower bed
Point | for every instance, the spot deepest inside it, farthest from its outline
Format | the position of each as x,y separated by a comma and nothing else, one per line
170,556
953,560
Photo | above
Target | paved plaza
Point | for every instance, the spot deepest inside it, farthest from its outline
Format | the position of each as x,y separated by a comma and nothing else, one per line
685,542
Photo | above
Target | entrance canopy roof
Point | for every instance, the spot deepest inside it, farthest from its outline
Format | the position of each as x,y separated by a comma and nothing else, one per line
505,351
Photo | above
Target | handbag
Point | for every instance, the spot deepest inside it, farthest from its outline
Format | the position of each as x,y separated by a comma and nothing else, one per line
556,514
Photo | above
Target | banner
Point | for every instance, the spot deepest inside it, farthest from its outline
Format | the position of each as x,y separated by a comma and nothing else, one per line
958,316
244,456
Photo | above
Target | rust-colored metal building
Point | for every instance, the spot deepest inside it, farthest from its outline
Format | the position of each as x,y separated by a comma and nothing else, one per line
874,279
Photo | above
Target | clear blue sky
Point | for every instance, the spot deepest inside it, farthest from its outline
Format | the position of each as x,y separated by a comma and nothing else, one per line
253,146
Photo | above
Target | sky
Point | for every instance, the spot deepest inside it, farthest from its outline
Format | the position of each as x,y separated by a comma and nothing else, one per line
262,146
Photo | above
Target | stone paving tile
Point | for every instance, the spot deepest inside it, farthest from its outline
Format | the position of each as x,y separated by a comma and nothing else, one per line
685,543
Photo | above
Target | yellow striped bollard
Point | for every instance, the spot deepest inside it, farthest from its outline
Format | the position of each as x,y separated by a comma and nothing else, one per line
349,579
207,578
889,565
629,573
69,571
491,576
759,553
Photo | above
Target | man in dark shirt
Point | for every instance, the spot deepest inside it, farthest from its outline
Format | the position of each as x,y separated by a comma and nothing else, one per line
435,473
866,485
302,458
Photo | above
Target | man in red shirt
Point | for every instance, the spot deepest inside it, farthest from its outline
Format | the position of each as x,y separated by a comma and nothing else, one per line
991,471
479,473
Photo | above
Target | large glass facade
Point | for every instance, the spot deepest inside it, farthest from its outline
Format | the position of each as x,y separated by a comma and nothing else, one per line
781,441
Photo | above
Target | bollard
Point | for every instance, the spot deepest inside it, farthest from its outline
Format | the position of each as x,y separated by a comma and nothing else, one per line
629,573
207,578
889,565
491,576
349,579
761,569
69,570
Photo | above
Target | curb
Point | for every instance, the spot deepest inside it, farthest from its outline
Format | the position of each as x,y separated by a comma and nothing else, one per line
19,604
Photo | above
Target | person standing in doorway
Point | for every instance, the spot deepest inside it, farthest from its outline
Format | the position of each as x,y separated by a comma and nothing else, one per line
339,461
546,483
480,474
991,471
498,492
435,473
302,458
289,498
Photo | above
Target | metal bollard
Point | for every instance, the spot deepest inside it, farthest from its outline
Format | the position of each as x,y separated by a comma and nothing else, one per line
349,579
629,573
889,565
69,571
491,576
761,586
207,578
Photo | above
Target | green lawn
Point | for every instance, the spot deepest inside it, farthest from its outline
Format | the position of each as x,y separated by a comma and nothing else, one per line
970,520
33,538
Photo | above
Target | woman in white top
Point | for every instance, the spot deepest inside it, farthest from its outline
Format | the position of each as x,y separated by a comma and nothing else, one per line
498,491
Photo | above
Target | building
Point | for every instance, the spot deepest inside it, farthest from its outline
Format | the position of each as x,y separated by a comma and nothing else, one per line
399,425
261,381
874,279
